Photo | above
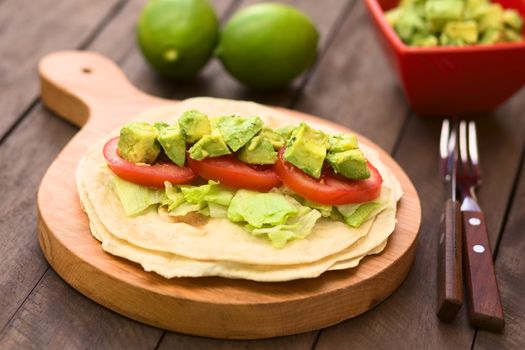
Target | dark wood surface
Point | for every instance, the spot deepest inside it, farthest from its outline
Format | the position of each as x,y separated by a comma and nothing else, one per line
351,84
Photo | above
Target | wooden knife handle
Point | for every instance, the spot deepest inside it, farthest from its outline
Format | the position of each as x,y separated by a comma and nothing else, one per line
484,305
450,285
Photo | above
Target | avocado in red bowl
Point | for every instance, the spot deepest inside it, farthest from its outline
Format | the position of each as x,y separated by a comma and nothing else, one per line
455,80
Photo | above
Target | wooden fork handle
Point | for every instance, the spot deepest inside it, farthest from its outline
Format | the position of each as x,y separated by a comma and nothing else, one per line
450,285
484,305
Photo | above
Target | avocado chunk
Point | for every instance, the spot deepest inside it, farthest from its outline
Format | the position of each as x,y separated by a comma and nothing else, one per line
286,131
491,36
258,151
490,17
273,137
351,164
459,33
209,146
409,23
237,131
306,149
138,142
172,141
342,142
422,40
512,19
512,36
160,125
444,9
194,125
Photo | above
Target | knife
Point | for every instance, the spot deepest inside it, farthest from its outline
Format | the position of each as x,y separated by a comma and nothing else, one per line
449,282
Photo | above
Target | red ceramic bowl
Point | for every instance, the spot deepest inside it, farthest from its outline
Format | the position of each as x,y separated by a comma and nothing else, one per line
453,80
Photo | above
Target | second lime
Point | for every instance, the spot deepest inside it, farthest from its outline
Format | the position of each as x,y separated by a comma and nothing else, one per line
266,46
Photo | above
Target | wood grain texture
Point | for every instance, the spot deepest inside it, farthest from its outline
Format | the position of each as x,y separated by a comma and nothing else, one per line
354,86
69,311
484,305
214,81
449,276
407,320
246,309
510,269
22,44
342,82
22,262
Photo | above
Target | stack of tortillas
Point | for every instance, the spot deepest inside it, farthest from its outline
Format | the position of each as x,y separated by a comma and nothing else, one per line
218,247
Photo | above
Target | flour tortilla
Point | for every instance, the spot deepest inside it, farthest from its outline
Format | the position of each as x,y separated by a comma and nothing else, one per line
172,265
219,240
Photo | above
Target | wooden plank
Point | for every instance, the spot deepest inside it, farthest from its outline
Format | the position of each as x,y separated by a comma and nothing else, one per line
510,270
355,86
57,317
22,264
18,222
407,319
180,341
31,29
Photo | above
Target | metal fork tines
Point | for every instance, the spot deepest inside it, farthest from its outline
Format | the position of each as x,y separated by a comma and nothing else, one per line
469,174
447,152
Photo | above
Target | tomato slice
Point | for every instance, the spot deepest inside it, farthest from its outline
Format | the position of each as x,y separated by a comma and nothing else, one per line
144,174
231,172
330,189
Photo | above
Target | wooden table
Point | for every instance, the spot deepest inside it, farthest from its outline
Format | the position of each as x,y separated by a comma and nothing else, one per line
351,84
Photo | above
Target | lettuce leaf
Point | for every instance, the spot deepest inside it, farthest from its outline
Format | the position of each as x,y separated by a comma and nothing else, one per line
135,198
217,210
259,209
355,215
294,228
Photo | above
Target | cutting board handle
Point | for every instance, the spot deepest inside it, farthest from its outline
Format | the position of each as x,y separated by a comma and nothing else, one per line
83,86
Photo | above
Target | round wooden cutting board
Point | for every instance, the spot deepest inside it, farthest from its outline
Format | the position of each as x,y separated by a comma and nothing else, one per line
92,92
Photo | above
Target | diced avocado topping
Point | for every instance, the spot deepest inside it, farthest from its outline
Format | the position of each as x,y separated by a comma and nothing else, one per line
409,24
174,144
160,125
427,23
138,142
276,139
342,142
444,9
209,146
351,164
306,149
194,125
237,131
258,151
513,19
286,131
459,33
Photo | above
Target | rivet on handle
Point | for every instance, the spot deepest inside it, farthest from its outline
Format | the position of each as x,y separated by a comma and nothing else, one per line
478,248
474,221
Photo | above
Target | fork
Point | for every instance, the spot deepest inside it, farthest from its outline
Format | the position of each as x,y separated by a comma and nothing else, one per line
484,304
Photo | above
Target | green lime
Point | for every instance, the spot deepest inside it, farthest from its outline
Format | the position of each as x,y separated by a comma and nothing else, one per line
177,36
266,46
